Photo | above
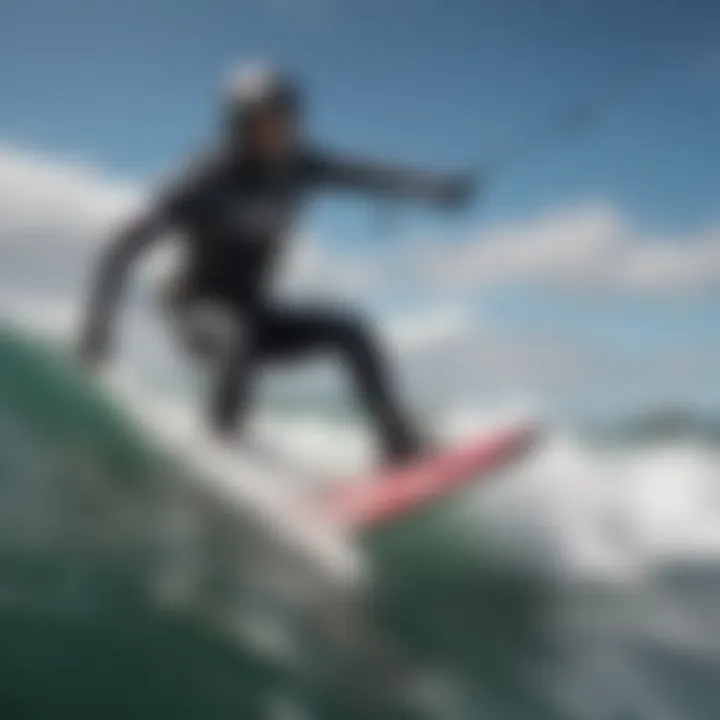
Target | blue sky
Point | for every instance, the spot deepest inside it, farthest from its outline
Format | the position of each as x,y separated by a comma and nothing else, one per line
130,84
130,87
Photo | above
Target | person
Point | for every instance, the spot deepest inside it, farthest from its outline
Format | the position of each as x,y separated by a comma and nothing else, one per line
234,208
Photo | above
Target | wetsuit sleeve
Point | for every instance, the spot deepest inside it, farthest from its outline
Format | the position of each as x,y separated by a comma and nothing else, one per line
346,173
164,212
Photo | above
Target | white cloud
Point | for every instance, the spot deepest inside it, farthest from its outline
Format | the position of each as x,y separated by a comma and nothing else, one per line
41,199
438,327
587,248
584,248
53,214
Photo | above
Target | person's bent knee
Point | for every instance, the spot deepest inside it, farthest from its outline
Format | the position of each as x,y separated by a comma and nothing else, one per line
354,334
214,331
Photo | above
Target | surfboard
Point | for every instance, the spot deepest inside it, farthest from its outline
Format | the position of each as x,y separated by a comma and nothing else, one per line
399,492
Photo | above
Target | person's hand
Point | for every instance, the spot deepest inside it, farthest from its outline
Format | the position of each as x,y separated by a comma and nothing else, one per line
458,193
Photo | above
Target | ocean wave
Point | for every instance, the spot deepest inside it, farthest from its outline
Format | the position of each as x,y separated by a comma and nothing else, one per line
581,585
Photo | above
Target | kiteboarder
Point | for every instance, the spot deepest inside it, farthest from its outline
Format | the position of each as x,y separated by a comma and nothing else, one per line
234,209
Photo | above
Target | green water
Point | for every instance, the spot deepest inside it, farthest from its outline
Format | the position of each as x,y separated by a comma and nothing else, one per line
89,510
82,635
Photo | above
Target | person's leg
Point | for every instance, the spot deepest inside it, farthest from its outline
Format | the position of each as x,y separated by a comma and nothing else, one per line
284,333
231,385
219,335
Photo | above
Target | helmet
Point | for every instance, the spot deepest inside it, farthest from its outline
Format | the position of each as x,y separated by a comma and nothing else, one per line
255,87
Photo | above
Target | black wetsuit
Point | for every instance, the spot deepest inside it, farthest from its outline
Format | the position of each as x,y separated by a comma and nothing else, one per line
235,215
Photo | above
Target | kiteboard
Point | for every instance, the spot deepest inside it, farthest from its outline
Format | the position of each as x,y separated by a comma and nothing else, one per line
396,493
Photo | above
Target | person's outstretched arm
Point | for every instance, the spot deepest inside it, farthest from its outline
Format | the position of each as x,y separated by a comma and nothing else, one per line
392,180
109,280
167,211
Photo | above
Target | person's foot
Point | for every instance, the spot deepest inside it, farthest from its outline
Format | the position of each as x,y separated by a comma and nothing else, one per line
404,445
